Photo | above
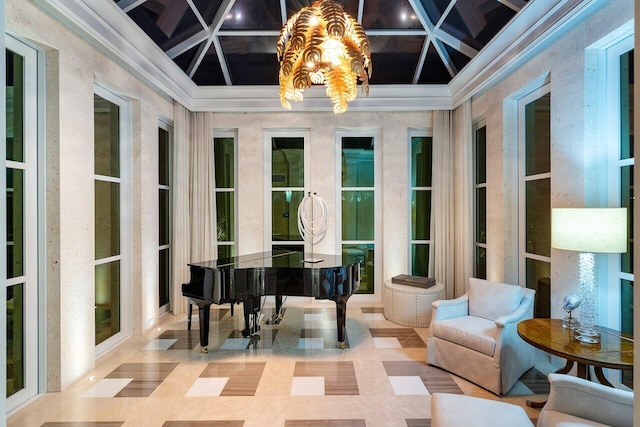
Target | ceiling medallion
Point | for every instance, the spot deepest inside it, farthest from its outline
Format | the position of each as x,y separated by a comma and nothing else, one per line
321,44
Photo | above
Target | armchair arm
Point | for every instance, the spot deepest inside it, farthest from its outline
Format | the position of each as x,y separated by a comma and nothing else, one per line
524,311
448,309
587,399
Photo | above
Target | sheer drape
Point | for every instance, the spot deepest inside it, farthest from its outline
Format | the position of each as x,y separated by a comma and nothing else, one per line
202,189
193,235
441,261
180,207
463,155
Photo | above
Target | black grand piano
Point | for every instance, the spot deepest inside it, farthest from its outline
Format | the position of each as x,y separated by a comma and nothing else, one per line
246,279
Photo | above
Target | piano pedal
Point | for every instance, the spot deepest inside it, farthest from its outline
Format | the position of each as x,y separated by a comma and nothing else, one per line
204,350
274,319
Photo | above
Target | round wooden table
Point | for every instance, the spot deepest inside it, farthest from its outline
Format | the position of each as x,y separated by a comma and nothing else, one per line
615,349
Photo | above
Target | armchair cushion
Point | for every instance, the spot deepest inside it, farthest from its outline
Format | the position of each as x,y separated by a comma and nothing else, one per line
472,332
585,402
491,300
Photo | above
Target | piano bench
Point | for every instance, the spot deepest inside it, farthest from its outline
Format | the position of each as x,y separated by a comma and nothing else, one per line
410,305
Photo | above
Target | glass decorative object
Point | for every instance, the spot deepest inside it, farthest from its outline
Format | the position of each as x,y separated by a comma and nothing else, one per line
570,303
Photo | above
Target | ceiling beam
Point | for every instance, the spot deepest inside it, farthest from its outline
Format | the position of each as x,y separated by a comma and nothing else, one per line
127,5
514,5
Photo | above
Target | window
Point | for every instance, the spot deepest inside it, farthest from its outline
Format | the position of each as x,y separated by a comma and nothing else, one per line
480,200
164,215
420,199
534,129
289,175
224,146
358,204
21,165
111,192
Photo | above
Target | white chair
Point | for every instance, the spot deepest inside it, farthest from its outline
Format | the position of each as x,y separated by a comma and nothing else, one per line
475,336
456,410
575,401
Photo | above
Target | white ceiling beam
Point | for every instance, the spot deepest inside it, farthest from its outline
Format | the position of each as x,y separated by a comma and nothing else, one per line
514,5
184,46
127,5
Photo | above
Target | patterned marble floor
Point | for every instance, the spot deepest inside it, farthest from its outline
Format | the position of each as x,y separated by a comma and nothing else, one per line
292,374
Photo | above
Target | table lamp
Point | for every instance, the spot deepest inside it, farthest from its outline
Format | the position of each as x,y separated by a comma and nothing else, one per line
589,231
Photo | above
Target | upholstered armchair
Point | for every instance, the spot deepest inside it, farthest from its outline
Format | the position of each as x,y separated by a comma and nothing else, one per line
576,401
475,336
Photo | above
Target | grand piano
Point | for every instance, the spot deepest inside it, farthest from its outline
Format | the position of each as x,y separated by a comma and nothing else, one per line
246,279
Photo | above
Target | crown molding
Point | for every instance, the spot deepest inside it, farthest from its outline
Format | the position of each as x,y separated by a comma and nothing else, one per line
108,28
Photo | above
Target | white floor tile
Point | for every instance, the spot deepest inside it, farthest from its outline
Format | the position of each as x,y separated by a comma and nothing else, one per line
235,344
386,342
207,387
409,385
310,343
160,344
312,317
307,386
107,387
374,316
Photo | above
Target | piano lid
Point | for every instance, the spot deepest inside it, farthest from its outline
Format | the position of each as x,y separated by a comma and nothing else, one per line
278,258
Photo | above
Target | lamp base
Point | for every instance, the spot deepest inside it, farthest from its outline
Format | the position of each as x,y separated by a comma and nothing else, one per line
587,336
570,323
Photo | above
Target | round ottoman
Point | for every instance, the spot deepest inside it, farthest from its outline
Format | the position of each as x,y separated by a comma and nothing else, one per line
410,305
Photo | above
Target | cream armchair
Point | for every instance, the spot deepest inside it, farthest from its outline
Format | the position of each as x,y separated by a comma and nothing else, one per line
576,401
475,337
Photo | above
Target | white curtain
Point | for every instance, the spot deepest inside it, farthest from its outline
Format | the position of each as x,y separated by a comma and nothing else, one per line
203,184
180,245
442,256
193,235
463,154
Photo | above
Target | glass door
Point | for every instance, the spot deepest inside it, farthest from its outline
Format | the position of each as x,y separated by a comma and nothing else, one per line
22,223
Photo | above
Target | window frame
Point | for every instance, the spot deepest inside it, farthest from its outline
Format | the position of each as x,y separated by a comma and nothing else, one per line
226,133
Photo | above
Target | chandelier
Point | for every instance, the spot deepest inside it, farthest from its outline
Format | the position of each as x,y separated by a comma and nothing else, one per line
321,44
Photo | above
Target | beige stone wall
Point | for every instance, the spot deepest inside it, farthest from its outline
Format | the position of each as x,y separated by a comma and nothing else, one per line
73,67
562,61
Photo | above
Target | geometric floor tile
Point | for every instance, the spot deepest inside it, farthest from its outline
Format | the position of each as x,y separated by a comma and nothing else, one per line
84,424
372,309
144,377
212,423
407,337
533,382
160,344
307,386
207,387
374,316
418,422
435,380
183,339
387,342
339,376
408,385
318,314
242,377
324,423
320,338
236,341
107,387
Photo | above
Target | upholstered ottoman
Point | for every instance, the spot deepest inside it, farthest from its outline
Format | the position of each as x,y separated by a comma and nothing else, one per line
456,410
410,305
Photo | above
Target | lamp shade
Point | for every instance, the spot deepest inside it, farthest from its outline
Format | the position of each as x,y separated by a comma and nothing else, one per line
589,229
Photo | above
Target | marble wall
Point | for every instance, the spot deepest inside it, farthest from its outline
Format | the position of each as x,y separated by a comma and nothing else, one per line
72,68
574,172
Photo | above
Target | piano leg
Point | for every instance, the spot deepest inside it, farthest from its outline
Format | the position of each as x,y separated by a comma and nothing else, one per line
341,315
251,309
189,316
204,314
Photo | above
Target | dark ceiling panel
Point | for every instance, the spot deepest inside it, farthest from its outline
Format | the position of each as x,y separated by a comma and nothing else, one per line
166,23
254,15
389,14
251,60
394,58
248,42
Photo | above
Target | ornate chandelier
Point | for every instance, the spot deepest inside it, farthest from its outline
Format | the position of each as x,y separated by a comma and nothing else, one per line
321,44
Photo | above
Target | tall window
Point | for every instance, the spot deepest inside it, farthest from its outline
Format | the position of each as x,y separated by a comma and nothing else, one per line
110,193
358,200
164,215
625,165
535,196
224,147
288,178
421,161
21,223
480,199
